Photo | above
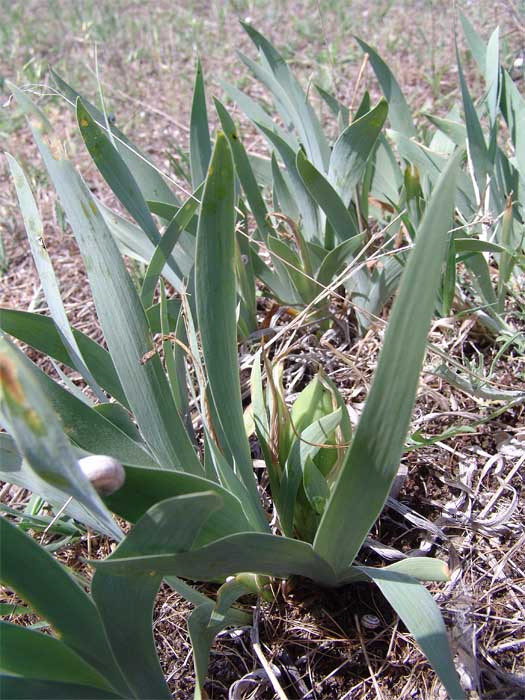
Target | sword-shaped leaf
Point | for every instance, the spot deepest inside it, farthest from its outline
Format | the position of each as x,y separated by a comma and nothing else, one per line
399,111
150,181
29,418
119,310
16,688
304,118
327,198
420,613
352,150
163,251
35,232
371,462
115,172
42,334
216,309
30,654
256,552
55,595
200,145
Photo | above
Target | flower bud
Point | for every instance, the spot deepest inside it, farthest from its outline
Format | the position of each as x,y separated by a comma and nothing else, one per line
105,473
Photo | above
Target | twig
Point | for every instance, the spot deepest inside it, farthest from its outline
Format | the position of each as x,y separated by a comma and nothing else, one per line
264,661
379,695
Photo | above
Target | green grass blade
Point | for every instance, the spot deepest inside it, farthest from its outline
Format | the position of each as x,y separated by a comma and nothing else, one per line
476,145
256,113
453,129
399,111
312,219
200,144
282,197
163,251
335,106
492,75
244,171
474,245
479,267
336,258
133,242
304,288
475,43
506,261
246,285
216,308
115,172
371,462
301,450
448,287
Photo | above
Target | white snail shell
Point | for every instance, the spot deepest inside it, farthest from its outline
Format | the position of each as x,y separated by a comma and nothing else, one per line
105,473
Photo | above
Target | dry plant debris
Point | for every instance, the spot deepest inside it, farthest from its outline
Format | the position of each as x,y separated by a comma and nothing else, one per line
464,501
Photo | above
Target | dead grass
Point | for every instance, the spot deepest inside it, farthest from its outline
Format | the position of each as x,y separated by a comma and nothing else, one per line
462,497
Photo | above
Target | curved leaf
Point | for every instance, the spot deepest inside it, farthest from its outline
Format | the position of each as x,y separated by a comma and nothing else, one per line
304,118
35,231
42,334
29,689
35,655
28,416
55,596
144,488
420,613
150,181
256,552
352,150
119,310
400,116
327,198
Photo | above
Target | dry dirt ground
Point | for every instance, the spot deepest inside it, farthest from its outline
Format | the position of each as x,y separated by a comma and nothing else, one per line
462,497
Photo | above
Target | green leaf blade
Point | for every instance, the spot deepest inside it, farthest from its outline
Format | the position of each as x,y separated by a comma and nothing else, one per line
200,145
352,150
216,308
420,613
358,497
